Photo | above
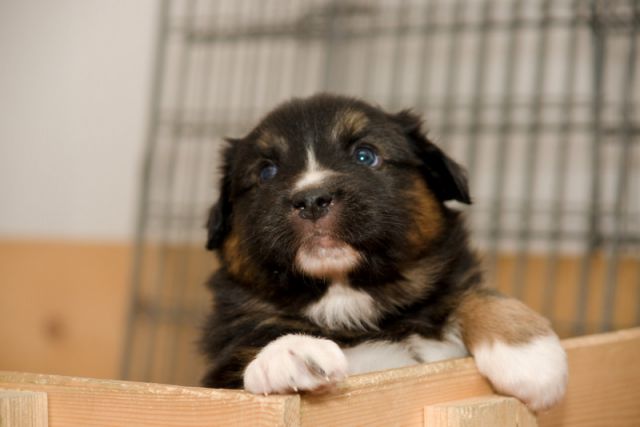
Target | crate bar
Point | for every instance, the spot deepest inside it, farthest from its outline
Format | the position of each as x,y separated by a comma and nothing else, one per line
623,167
166,229
153,126
368,83
275,64
531,153
593,214
502,148
638,290
561,170
300,59
332,36
283,32
424,72
192,188
451,79
399,53
481,61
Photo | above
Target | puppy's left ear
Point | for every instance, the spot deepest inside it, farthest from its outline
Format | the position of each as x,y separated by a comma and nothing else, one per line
219,221
446,178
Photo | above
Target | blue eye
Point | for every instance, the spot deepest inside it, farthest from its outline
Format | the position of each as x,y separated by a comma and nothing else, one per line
268,172
366,156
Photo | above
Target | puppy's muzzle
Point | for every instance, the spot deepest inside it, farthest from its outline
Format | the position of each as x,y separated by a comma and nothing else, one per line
312,204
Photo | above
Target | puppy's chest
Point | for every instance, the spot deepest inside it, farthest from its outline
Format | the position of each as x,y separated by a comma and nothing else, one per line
382,354
345,307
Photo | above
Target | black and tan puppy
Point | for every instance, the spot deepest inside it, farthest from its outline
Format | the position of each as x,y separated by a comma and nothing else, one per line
339,256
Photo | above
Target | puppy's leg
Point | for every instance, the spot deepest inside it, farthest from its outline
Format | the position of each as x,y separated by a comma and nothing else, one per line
295,363
268,354
513,347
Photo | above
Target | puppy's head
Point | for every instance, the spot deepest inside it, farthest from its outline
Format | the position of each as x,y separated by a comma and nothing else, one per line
328,186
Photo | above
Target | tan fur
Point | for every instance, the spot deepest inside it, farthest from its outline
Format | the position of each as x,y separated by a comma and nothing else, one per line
348,122
237,261
485,317
269,139
417,282
426,214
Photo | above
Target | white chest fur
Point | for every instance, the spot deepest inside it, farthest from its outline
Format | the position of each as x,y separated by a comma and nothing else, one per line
344,307
379,355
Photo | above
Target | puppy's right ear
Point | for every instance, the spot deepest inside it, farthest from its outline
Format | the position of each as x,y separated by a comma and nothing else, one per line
219,222
446,178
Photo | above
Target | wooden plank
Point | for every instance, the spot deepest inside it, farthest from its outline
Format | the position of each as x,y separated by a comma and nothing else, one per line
604,389
69,299
44,290
394,397
479,412
23,408
565,297
604,382
90,402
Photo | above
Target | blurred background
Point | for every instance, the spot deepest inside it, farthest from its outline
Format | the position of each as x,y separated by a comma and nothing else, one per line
112,115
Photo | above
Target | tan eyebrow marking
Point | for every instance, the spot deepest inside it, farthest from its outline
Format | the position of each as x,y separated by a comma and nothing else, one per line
348,122
269,139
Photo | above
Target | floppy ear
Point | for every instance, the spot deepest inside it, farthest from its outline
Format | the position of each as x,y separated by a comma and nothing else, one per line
446,178
219,222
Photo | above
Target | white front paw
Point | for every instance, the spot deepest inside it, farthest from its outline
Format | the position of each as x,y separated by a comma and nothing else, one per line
295,363
534,372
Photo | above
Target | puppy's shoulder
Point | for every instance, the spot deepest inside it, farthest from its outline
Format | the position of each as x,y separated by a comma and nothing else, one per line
232,299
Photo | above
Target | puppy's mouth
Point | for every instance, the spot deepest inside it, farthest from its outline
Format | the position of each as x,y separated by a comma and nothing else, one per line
323,255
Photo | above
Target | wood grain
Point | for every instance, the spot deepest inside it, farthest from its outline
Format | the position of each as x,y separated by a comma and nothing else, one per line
23,408
70,299
63,306
604,389
479,412
395,397
604,382
91,402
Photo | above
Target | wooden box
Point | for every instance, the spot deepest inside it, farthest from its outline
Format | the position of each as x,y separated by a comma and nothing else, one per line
604,390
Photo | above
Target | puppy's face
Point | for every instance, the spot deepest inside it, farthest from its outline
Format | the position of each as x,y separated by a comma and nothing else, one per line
327,187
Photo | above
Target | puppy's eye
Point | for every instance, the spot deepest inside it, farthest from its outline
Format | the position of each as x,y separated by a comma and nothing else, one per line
268,172
366,156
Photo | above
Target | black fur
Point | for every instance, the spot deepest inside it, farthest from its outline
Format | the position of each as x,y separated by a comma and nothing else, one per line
264,299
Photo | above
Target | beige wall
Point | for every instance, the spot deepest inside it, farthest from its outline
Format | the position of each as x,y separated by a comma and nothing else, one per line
74,84
74,87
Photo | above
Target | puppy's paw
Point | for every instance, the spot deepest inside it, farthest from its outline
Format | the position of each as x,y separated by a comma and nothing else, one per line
294,363
534,372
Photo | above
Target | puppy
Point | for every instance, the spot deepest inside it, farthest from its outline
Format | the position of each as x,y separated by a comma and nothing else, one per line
339,256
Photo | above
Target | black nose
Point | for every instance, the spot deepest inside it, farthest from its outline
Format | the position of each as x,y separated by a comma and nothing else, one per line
312,204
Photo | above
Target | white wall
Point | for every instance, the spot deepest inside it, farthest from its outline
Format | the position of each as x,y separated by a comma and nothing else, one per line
74,88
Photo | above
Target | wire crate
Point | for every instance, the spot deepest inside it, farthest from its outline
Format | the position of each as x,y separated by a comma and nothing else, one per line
537,98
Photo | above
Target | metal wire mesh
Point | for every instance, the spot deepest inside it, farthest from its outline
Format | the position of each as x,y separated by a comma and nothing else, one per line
538,98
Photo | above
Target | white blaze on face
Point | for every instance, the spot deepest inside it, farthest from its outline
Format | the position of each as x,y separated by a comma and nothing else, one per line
322,256
313,175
